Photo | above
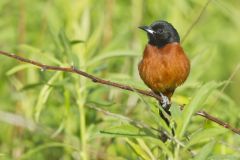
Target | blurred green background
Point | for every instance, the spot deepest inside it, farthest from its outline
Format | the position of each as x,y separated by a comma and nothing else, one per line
55,115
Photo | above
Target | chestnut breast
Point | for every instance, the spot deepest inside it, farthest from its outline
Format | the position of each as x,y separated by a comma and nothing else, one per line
164,69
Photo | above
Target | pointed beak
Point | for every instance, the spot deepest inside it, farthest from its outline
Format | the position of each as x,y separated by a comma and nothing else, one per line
147,29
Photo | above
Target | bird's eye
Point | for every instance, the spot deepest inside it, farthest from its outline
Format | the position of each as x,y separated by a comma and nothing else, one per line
159,31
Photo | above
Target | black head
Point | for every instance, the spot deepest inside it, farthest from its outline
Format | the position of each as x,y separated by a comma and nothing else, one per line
161,33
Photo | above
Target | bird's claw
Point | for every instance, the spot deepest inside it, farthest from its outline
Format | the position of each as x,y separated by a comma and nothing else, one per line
165,101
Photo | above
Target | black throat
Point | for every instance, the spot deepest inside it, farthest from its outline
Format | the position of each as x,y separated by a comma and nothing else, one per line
162,43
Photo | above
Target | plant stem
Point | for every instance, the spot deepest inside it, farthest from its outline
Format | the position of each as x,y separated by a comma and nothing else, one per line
81,108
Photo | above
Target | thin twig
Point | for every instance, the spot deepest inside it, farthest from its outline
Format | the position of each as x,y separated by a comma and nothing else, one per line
114,84
136,123
82,73
218,121
196,21
235,71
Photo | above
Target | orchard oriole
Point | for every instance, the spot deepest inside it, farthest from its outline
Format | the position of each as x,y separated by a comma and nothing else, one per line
164,65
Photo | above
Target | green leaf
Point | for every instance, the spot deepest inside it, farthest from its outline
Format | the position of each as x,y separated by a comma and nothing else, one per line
31,86
205,151
196,103
29,49
145,147
102,103
113,54
51,58
18,68
39,148
73,42
161,145
66,44
204,135
94,40
176,113
64,41
44,94
138,150
125,130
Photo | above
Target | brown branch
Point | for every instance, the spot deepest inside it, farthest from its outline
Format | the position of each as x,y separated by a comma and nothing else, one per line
113,84
218,121
89,76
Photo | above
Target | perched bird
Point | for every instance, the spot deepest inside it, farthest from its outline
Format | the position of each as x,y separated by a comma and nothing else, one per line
164,65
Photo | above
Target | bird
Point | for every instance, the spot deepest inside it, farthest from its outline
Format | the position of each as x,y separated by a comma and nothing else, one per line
164,65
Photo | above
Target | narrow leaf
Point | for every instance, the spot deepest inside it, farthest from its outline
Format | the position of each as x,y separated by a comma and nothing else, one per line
196,103
138,150
44,94
205,151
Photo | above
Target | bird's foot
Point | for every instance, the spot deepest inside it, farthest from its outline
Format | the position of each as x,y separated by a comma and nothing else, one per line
165,102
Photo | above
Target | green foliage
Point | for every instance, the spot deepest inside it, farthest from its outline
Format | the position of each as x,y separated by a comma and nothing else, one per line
196,104
56,115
